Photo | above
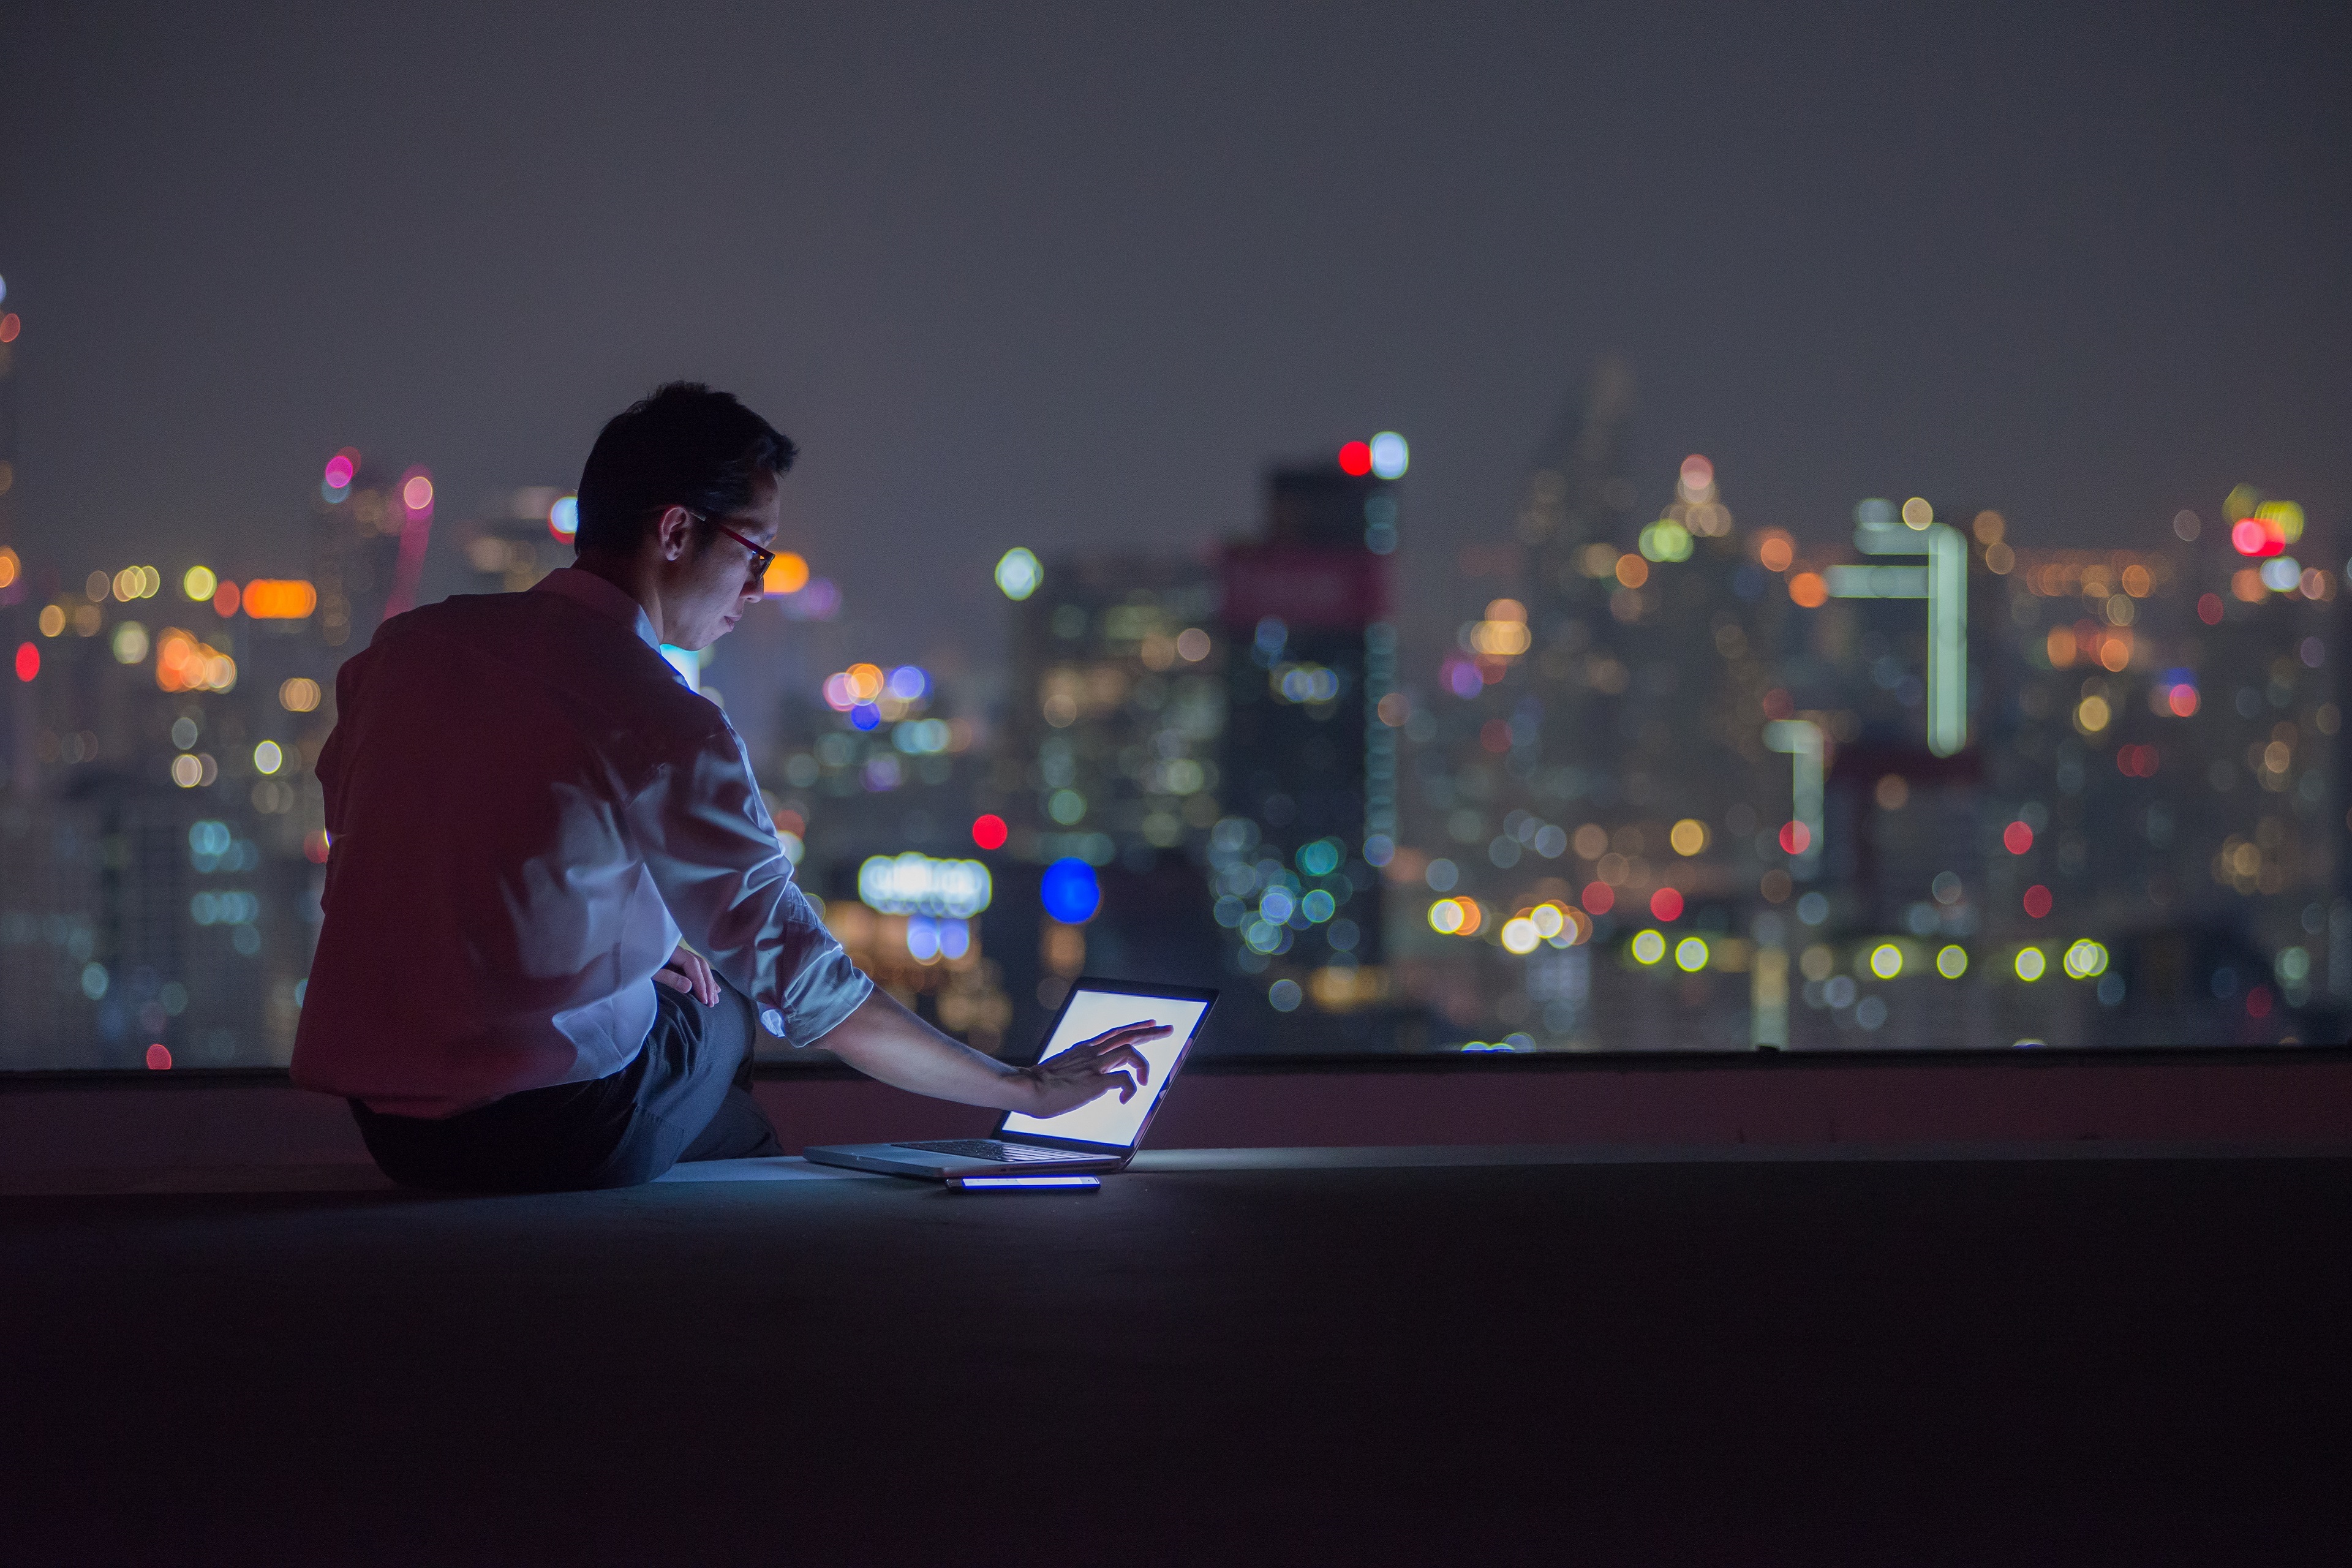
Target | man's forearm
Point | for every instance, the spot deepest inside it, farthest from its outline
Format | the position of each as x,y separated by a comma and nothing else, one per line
883,1040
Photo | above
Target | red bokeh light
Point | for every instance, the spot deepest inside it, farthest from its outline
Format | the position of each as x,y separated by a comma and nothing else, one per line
988,831
9,327
2209,609
2136,762
316,845
2252,536
2017,839
2258,1002
1496,736
1600,898
1778,705
2037,900
159,1058
1356,457
28,661
1666,904
225,600
1795,837
2182,701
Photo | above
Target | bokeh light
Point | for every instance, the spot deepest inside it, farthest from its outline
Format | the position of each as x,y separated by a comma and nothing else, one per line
1389,456
1018,574
1070,892
1356,457
787,574
269,599
989,831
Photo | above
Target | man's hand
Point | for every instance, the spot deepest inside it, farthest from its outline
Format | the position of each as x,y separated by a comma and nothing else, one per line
687,971
1091,1068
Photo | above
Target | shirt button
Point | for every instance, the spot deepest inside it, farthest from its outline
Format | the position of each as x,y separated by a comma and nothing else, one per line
773,1022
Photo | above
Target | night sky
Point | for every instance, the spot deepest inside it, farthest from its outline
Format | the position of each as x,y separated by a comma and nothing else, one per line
1062,276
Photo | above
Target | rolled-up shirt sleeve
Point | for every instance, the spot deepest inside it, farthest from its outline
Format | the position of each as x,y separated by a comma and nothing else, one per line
713,853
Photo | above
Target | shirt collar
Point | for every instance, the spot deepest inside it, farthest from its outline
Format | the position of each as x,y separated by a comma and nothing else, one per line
600,596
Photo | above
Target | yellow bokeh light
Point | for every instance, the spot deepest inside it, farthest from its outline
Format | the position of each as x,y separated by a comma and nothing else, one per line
2031,965
1649,946
2092,714
299,695
268,757
1690,955
1688,836
2086,960
1887,961
9,566
1916,514
1520,936
198,582
52,620
1952,962
1549,919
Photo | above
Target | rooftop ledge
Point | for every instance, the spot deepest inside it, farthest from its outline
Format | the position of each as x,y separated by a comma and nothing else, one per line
2202,1098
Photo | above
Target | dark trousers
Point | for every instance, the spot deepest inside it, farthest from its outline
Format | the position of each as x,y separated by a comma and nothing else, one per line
688,1096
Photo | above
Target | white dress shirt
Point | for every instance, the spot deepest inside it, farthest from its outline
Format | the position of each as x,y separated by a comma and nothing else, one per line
526,805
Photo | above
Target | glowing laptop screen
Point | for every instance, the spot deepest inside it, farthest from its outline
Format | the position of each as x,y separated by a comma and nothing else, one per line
1092,1013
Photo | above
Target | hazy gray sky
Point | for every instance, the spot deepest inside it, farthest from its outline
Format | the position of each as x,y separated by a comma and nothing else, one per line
1054,275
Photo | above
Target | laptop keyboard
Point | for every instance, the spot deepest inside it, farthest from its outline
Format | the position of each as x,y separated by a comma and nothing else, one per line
1002,1154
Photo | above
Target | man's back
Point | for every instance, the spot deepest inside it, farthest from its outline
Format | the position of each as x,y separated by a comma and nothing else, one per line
490,920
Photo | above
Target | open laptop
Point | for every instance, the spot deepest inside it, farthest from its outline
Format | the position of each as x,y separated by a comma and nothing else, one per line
1101,1135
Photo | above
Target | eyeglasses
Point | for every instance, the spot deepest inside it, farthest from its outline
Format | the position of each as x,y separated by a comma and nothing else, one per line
761,559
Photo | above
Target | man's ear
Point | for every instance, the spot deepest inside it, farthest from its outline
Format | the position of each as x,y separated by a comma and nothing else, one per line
674,534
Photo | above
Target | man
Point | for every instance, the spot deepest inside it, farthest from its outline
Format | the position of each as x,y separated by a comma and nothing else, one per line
526,808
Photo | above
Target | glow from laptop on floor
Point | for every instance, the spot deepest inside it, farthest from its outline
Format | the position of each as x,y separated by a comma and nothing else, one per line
1092,1013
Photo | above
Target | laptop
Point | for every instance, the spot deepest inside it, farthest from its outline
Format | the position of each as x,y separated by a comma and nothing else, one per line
1100,1135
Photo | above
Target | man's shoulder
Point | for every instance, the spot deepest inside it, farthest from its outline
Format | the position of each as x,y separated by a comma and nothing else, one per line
588,661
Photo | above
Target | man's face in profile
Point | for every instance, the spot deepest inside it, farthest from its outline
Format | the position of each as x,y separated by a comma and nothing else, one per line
707,588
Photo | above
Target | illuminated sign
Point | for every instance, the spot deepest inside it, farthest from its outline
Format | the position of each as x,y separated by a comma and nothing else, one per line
912,884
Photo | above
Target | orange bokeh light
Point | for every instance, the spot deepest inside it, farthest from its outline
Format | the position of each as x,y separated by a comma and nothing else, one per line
1808,591
787,574
278,599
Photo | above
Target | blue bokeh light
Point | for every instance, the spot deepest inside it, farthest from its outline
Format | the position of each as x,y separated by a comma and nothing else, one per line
1070,891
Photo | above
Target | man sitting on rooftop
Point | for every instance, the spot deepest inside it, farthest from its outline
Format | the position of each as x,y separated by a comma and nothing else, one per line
527,807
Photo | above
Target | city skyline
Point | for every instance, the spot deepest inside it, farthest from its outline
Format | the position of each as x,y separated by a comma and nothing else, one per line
1149,613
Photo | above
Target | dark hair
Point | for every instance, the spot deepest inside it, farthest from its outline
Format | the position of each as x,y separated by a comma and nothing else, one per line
685,446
